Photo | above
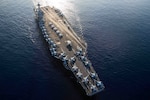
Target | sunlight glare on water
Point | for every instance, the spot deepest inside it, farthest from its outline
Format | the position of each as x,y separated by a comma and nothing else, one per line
69,10
60,4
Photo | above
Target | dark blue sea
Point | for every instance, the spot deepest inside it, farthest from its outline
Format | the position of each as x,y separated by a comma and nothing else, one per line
118,36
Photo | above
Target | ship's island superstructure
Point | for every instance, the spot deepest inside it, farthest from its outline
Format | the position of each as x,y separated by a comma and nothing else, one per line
64,44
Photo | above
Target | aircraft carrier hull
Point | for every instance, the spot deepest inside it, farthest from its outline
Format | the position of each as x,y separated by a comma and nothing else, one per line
67,46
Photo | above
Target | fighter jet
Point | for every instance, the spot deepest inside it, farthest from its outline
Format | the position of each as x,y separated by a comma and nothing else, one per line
83,58
53,51
87,64
79,74
85,80
54,45
65,59
50,24
78,53
60,35
93,75
62,55
74,68
79,49
57,32
49,39
55,29
50,42
93,88
98,83
72,59
45,36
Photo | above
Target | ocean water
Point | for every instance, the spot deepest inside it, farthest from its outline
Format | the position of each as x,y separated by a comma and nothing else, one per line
118,36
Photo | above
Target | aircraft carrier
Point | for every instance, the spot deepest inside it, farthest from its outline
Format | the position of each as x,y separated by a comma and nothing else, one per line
66,45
